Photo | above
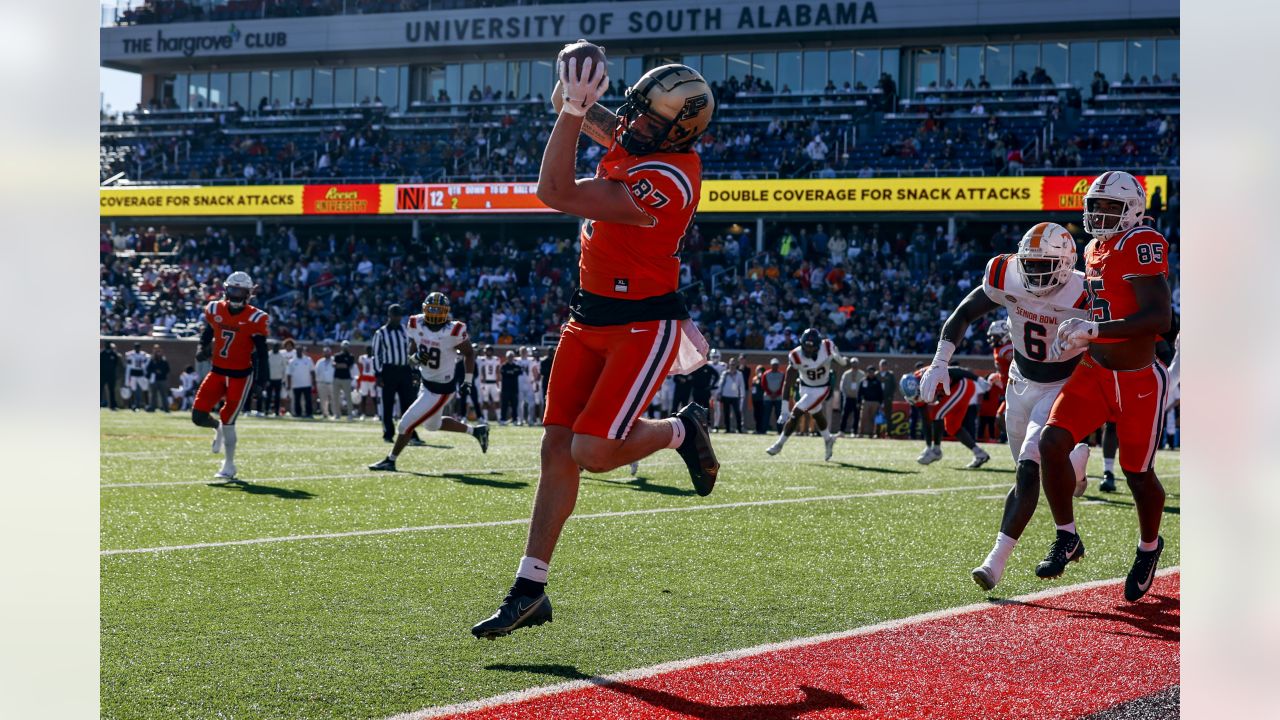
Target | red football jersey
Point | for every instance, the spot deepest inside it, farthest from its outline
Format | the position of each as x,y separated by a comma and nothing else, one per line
630,262
233,334
1004,357
1111,263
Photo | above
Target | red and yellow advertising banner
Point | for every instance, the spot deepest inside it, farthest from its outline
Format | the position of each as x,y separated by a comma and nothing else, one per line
477,198
845,195
344,199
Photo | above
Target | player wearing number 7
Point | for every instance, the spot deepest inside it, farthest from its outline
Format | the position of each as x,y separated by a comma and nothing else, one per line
1040,288
1118,379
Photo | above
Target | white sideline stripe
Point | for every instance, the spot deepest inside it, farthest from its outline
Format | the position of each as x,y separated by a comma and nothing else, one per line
525,521
369,474
641,673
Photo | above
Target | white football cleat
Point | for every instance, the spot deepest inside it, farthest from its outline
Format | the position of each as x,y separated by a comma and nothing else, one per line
227,472
980,458
635,468
930,455
987,576
217,439
830,442
773,449
1080,463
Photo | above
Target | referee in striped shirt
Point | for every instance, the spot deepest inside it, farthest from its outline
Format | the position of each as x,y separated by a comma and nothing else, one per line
391,368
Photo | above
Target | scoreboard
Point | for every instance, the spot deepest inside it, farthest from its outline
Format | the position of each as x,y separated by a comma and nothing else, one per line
476,198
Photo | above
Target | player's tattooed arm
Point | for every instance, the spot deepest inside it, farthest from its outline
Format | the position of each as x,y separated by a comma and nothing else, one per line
974,306
468,352
599,122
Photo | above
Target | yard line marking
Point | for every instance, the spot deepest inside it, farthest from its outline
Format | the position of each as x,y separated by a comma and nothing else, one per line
520,696
525,521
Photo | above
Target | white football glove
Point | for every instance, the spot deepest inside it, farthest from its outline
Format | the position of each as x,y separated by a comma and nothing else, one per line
935,377
1074,334
580,93
786,412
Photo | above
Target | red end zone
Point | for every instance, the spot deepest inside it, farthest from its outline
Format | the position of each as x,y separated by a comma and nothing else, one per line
1045,656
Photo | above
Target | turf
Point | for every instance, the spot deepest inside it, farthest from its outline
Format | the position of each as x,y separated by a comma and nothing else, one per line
375,625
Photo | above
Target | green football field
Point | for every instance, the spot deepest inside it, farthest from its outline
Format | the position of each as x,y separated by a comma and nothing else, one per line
323,590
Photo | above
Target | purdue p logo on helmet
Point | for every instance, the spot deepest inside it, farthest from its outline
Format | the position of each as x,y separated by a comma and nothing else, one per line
435,309
667,109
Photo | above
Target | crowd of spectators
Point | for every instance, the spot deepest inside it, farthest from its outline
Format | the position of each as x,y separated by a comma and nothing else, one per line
871,287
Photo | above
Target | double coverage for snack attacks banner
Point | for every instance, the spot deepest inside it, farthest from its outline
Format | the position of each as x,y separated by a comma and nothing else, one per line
852,195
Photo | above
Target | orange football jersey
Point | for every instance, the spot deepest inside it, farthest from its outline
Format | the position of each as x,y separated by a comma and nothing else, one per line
1111,263
629,262
233,334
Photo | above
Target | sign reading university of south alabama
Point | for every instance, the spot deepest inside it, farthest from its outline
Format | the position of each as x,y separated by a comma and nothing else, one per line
551,24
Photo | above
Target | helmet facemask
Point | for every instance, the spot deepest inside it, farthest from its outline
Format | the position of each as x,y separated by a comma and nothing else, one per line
435,311
1041,274
643,130
237,297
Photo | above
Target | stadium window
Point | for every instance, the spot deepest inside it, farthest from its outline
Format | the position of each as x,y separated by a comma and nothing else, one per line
281,88
815,70
453,82
1053,58
712,69
1084,60
302,85
788,72
472,79
388,85
1141,58
239,90
259,89
1167,58
866,67
344,83
840,68
322,87
738,66
218,89
634,68
889,63
998,64
366,84
402,84
693,61
1111,59
540,78
198,90
518,77
180,90
764,67
926,65
495,77
1026,58
949,65
968,64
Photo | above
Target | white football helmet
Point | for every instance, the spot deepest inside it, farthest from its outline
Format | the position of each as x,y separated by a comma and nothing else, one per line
1046,257
713,356
1121,187
237,289
998,332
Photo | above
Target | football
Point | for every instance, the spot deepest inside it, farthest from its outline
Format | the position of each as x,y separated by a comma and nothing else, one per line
582,49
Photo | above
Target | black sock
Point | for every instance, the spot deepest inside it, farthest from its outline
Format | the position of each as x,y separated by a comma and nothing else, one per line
527,587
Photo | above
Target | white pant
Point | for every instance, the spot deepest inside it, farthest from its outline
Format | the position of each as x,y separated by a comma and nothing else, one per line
1026,410
811,398
426,412
324,392
137,384
528,402
490,392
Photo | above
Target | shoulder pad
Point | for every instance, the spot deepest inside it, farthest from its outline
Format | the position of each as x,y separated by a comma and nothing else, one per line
997,271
